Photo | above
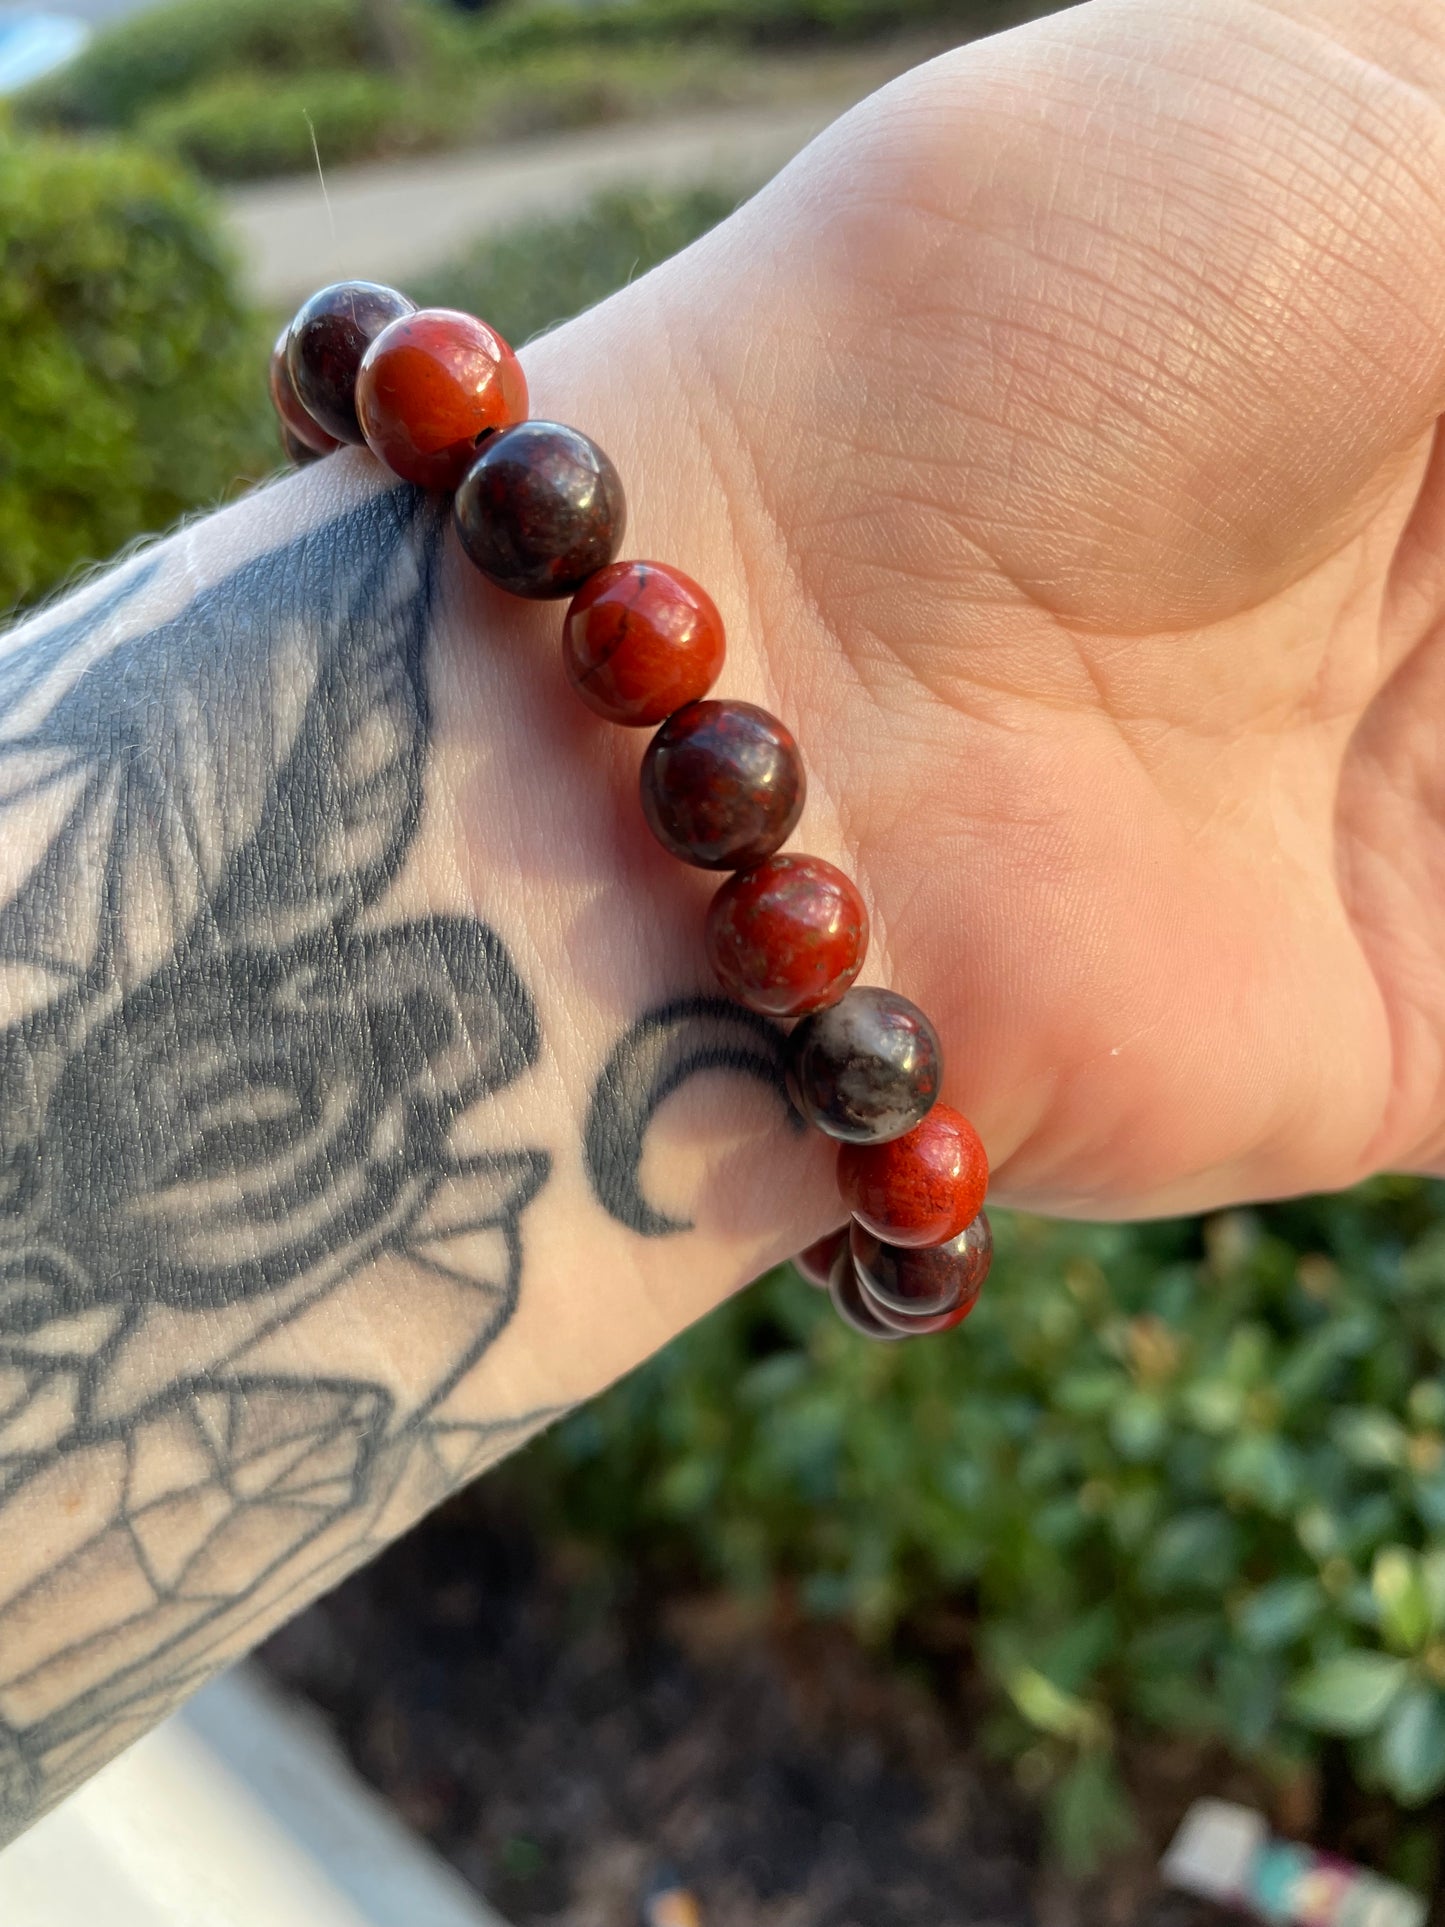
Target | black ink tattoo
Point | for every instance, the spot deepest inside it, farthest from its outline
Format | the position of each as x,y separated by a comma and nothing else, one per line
228,1111
657,1054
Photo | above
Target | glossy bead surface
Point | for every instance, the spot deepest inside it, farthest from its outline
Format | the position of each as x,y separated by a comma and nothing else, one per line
853,1307
431,387
722,785
920,1189
904,1325
816,1261
325,345
303,439
788,936
640,640
866,1069
923,1284
540,510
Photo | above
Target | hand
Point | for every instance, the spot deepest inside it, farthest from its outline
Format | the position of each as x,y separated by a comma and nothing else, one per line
1059,435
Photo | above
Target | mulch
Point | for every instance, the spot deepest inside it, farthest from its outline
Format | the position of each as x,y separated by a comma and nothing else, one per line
561,1742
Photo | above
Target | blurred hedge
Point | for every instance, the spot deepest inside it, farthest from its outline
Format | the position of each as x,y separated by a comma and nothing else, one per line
236,89
129,389
1184,1477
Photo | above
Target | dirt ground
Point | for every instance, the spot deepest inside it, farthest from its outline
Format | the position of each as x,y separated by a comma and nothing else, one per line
559,1746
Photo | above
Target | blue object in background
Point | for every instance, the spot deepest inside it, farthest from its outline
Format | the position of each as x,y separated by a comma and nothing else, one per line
32,44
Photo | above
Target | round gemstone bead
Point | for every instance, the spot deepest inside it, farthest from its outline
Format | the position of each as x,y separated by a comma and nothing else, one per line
304,440
903,1325
924,1283
816,1261
432,386
640,640
866,1069
722,785
325,345
541,509
920,1189
788,936
852,1305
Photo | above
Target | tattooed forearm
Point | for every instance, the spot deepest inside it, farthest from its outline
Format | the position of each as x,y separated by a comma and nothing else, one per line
232,1090
653,1058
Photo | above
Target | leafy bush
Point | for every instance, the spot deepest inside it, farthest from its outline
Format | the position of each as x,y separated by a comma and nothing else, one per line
230,87
528,278
249,126
133,376
162,52
1187,1477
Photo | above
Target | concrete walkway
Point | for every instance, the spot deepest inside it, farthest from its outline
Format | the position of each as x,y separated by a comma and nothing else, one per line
388,222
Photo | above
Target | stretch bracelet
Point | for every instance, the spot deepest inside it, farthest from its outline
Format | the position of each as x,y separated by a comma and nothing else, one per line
441,399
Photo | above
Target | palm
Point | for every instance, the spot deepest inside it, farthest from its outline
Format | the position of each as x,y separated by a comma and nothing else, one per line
1075,432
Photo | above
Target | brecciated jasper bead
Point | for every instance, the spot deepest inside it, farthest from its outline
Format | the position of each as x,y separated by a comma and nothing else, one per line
325,345
431,387
304,439
722,785
816,1261
640,640
902,1325
866,1069
920,1189
787,936
540,510
923,1284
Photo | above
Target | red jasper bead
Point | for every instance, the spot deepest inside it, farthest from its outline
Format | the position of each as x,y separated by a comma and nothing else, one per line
920,1189
722,785
303,438
788,936
924,1283
640,640
816,1261
432,386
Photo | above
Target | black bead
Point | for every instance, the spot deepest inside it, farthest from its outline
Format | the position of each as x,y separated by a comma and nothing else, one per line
540,510
722,785
327,340
919,1283
852,1307
867,1068
815,1262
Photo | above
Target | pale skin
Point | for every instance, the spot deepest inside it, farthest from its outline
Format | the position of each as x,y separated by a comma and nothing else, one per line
1059,437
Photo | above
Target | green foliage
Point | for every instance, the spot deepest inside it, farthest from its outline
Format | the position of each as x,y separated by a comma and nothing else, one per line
133,376
527,279
1190,1478
248,126
162,52
230,87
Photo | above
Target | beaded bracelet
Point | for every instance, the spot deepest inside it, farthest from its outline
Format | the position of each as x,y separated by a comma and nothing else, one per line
441,399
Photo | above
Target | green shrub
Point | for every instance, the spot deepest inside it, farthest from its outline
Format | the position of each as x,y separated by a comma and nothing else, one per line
1190,1478
250,126
162,52
132,381
525,280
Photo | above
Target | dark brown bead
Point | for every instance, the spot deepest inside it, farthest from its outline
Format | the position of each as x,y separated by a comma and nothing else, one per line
540,510
303,439
853,1307
325,345
923,1283
815,1262
722,785
866,1069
